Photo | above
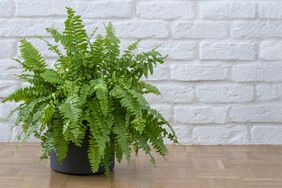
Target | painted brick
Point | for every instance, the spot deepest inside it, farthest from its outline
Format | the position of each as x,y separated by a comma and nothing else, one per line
183,133
259,72
266,92
5,131
7,87
9,48
227,10
256,113
142,29
7,8
176,50
161,72
270,10
226,50
9,69
256,29
271,50
199,30
165,109
105,9
220,135
39,7
267,134
223,62
225,93
198,72
5,109
200,114
26,27
173,93
166,10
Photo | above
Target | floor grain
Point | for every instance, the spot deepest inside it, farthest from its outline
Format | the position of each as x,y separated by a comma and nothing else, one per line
186,166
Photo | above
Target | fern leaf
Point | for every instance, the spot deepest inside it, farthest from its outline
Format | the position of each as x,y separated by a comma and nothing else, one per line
47,114
72,113
93,154
33,61
75,32
102,95
149,88
52,76
59,142
139,124
127,100
121,136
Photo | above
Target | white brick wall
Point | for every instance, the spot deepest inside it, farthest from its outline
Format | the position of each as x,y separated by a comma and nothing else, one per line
222,83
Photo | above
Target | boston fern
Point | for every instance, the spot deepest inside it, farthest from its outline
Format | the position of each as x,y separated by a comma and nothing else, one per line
93,88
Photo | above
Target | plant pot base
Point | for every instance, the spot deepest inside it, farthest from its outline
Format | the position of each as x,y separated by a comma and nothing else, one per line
76,161
73,167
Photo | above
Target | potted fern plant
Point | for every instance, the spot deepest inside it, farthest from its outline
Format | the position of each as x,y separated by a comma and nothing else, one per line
90,108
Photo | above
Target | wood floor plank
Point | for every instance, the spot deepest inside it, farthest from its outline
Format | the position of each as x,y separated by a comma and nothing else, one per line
185,166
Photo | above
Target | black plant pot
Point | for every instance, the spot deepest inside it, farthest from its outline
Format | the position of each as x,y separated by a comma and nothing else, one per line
76,162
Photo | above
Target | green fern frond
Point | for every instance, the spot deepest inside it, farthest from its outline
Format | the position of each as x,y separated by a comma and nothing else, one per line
47,114
121,137
23,94
93,154
127,100
102,94
149,88
139,124
59,142
72,114
52,76
112,43
75,32
33,61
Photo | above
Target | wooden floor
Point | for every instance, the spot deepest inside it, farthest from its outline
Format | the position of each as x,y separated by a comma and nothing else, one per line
186,166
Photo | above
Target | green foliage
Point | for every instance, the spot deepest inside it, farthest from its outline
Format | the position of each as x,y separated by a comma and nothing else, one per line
94,92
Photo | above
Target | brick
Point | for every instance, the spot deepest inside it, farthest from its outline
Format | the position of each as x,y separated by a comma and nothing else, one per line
173,93
166,10
270,10
5,109
8,48
165,109
258,72
105,9
26,27
199,30
161,72
220,135
256,113
198,72
226,50
200,114
42,7
9,69
267,134
142,29
226,93
271,50
8,86
7,8
266,92
183,133
256,29
227,10
5,131
176,50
